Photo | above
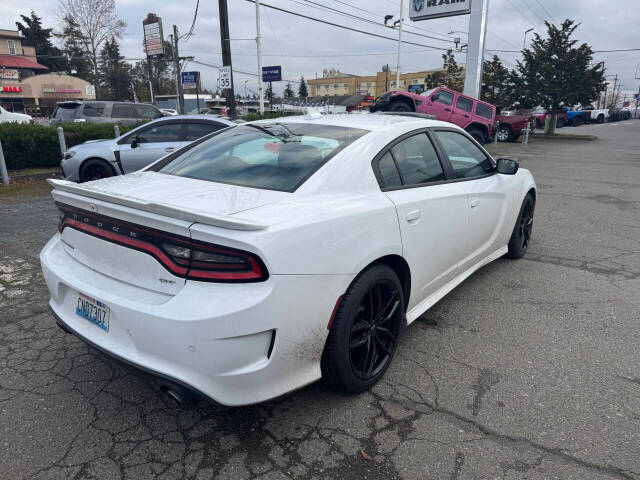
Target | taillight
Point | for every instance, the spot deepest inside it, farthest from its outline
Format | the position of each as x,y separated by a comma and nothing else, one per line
180,255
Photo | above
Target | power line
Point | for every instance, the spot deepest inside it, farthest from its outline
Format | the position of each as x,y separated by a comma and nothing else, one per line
348,28
544,9
237,70
370,54
533,11
189,34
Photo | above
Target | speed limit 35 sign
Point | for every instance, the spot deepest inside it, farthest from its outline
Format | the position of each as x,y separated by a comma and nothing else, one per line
224,78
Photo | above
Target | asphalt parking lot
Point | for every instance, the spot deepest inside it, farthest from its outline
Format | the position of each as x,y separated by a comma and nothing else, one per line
530,369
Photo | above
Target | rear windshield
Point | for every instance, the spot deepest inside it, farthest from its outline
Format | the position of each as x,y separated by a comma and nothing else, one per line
274,156
66,112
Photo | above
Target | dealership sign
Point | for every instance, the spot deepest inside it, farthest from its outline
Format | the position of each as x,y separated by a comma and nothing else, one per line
272,74
426,9
189,80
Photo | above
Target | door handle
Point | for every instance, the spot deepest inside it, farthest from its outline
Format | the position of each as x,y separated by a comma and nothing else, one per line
465,116
447,109
169,149
413,216
475,203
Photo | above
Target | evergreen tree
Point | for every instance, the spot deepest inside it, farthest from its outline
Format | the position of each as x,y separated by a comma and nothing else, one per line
115,75
450,76
74,51
162,76
497,83
269,93
554,70
288,92
40,38
303,92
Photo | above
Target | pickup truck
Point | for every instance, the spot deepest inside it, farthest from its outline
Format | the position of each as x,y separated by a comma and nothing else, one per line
541,113
577,117
597,115
511,125
475,116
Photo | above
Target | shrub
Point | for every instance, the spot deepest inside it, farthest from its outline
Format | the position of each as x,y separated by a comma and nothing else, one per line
32,145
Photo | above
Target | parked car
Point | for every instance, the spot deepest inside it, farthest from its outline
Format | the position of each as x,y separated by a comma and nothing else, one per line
511,125
7,116
258,259
126,113
596,115
473,115
577,117
541,114
136,149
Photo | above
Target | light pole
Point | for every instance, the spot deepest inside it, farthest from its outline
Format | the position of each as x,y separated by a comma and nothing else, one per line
524,43
399,46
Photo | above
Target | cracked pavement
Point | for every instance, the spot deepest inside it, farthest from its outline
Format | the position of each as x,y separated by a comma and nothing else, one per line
530,369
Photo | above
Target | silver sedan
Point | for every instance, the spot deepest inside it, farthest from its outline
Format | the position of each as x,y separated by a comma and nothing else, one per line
137,148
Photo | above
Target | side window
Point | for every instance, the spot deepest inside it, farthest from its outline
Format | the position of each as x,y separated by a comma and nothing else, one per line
467,160
199,130
93,109
146,112
122,110
169,132
465,104
445,97
483,110
417,160
388,171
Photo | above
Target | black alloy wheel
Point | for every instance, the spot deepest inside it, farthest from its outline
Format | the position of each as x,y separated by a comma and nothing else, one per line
373,336
363,337
95,169
521,236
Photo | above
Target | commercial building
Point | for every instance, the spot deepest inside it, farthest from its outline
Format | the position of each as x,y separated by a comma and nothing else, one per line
336,83
25,85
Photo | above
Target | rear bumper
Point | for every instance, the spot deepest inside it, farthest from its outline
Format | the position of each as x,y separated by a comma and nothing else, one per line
236,344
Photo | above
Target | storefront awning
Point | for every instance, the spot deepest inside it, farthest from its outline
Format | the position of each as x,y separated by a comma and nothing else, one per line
15,61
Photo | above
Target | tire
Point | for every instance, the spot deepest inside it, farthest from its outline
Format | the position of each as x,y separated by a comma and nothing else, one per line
577,121
504,134
560,123
399,107
521,235
477,135
600,118
363,340
95,169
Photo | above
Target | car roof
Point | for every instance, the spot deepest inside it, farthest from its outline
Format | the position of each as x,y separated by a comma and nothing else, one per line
371,122
200,118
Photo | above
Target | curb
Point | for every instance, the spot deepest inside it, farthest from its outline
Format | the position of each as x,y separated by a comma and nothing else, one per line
16,177
564,136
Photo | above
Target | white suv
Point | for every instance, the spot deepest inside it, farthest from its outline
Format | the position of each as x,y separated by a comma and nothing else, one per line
7,116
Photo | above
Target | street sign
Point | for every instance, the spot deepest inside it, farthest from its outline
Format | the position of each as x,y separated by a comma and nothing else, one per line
224,78
189,80
153,40
426,9
272,74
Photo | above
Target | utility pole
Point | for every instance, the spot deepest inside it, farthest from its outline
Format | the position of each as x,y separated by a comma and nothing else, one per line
613,94
153,100
399,46
176,63
259,45
230,97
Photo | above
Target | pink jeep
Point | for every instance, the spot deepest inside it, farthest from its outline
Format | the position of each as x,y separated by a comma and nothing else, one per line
475,116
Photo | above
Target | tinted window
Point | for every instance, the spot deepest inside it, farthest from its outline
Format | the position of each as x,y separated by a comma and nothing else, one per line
122,110
483,110
417,160
466,158
171,132
445,97
389,172
66,112
464,104
198,130
276,156
93,109
146,112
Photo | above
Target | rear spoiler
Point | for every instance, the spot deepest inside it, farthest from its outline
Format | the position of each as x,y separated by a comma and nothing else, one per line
223,221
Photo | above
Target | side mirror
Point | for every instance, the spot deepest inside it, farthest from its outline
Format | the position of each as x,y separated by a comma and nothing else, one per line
506,166
134,142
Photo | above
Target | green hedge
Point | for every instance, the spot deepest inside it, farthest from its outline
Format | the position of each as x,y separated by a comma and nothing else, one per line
250,117
33,145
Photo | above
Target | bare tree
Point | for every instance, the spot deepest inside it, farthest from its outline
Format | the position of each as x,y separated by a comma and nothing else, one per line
96,22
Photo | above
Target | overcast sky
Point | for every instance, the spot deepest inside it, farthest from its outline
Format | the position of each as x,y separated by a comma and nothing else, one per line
305,47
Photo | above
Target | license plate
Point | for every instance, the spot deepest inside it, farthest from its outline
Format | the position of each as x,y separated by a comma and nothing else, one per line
93,310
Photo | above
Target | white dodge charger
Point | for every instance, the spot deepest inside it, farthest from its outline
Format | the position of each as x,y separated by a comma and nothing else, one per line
268,255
